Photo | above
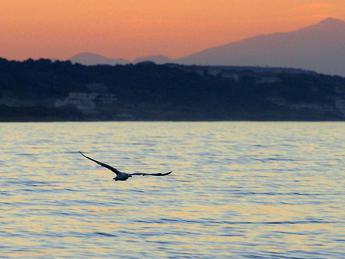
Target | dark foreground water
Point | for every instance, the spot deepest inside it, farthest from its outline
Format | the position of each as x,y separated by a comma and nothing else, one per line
241,190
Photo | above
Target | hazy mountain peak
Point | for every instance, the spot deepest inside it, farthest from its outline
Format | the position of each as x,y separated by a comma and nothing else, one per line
332,21
88,58
328,25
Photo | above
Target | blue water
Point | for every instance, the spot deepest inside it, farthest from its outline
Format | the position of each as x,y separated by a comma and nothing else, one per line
239,189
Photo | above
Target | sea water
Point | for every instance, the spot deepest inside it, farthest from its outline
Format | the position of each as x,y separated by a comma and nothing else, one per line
238,189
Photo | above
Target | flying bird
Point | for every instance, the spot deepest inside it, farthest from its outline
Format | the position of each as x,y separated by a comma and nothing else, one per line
121,176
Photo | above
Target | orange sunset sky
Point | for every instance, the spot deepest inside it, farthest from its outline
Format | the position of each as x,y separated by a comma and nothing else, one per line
132,28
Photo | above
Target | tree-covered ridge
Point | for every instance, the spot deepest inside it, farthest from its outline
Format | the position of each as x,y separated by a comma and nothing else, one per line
56,90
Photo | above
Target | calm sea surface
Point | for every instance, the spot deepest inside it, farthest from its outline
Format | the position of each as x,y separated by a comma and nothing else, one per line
241,190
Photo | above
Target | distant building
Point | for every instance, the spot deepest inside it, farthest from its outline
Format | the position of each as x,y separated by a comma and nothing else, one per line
106,99
82,101
86,102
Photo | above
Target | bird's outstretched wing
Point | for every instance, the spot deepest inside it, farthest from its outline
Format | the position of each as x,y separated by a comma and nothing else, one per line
102,164
159,174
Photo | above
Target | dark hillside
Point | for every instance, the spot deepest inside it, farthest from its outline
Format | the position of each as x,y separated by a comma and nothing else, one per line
46,90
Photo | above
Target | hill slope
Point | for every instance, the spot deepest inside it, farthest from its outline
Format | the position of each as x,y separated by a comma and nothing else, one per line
158,59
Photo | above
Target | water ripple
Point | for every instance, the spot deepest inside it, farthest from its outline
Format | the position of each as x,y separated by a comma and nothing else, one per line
239,190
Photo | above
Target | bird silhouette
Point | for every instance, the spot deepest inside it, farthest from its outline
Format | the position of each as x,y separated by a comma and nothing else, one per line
121,176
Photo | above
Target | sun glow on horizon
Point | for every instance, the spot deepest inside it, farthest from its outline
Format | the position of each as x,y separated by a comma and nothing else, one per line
132,28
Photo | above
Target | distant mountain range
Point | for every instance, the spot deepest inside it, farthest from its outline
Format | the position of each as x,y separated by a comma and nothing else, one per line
319,47
89,59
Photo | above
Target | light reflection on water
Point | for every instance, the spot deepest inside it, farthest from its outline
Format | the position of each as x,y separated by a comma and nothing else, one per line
254,190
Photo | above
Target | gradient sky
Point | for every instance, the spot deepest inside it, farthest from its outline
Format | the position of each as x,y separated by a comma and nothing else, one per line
132,28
